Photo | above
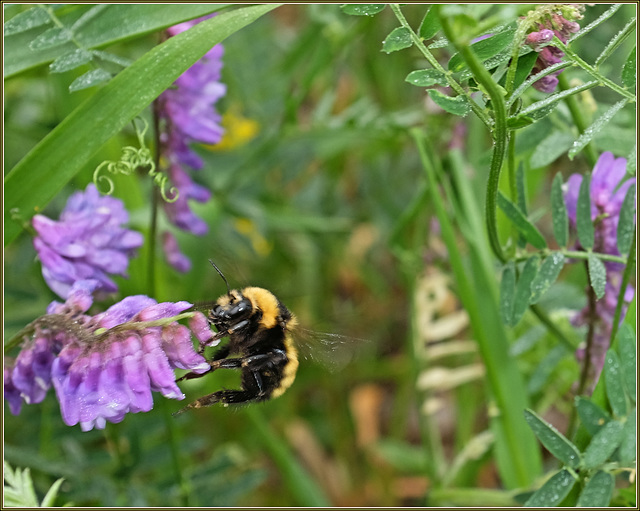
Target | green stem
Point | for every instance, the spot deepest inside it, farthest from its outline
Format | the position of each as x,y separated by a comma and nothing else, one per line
551,326
626,277
174,444
499,133
575,255
436,65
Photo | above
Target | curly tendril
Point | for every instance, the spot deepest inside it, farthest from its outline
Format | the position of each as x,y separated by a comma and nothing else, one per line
134,158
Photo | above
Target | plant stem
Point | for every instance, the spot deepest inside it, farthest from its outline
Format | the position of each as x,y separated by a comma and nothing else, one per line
573,254
626,277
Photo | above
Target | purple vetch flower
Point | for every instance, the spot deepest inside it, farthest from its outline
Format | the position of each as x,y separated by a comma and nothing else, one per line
173,254
607,190
88,242
104,366
189,116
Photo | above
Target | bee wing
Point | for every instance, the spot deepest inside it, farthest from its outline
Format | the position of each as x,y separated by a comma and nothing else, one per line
333,351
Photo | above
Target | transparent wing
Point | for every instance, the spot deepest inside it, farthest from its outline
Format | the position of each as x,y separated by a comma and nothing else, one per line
334,351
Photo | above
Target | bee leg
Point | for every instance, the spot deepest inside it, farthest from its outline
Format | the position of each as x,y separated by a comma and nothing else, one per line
215,338
222,353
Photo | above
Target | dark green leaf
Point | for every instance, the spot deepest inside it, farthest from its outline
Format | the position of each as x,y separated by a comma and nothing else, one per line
598,490
89,79
426,78
603,444
614,385
484,49
525,65
626,222
523,287
627,350
23,21
456,106
597,275
559,212
554,441
398,39
547,275
584,225
507,293
595,128
628,445
362,9
550,149
521,222
70,60
531,116
53,37
628,70
553,491
591,415
63,152
430,24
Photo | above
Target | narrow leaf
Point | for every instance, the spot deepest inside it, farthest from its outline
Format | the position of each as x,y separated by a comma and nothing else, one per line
595,128
584,225
550,149
598,490
554,441
540,376
456,106
627,350
547,275
591,415
112,57
626,221
26,20
89,79
70,60
50,497
89,15
398,39
430,25
559,212
426,78
631,162
553,491
629,70
603,444
597,275
484,49
507,293
521,222
523,288
362,9
521,188
50,38
628,445
613,384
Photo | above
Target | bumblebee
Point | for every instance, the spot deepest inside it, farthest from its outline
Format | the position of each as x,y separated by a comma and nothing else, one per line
259,329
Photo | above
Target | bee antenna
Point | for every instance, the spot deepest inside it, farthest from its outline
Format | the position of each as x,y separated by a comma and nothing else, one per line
223,277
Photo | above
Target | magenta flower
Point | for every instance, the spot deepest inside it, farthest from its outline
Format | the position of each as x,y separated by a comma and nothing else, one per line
189,115
104,366
88,242
608,188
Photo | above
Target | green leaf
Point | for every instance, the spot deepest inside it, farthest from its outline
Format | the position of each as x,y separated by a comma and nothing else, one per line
603,444
398,39
559,212
554,441
628,445
35,180
90,79
545,368
430,25
629,70
117,23
507,293
26,20
525,119
591,415
525,66
402,455
613,384
553,491
547,275
595,128
484,49
550,149
521,222
111,57
598,490
627,351
426,78
55,36
70,60
50,497
597,275
631,162
523,288
584,225
456,106
626,221
362,9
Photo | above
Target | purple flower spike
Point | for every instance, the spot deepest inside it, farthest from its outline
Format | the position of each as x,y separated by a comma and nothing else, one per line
175,257
200,327
176,343
11,393
88,242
